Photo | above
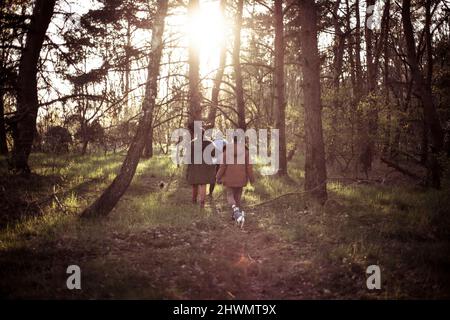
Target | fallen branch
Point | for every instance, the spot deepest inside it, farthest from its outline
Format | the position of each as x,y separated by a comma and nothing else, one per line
357,180
400,169
287,194
60,205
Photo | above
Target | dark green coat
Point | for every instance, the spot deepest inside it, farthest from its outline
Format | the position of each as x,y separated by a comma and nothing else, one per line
200,173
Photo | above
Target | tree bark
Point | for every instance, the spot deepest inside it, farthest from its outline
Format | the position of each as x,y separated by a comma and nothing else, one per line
106,202
424,92
338,50
195,110
358,90
315,169
369,133
429,77
280,96
386,53
239,91
148,148
127,75
3,143
84,147
358,66
218,78
27,95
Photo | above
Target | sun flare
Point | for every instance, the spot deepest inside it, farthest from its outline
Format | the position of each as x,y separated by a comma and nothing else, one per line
206,31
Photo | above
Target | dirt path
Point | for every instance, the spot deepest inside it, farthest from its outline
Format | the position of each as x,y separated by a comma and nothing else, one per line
212,258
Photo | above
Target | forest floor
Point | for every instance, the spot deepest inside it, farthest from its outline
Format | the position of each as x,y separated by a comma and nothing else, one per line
157,245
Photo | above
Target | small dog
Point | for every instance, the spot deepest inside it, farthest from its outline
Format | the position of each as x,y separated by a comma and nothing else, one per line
238,216
241,220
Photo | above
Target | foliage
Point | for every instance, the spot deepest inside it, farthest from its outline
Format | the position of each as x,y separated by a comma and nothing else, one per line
57,140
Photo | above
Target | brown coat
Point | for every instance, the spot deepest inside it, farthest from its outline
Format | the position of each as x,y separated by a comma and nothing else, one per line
235,175
200,173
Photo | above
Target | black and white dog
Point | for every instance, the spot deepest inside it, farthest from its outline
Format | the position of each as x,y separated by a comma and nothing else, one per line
238,216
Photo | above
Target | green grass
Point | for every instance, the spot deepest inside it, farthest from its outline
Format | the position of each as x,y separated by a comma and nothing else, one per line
152,233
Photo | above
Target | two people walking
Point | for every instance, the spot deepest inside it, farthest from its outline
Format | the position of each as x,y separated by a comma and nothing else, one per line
234,174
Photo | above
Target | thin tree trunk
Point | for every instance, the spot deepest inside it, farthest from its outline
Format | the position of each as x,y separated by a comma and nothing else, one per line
429,77
195,110
373,52
424,92
371,67
351,58
369,134
386,83
315,169
350,51
428,40
240,102
338,50
106,202
84,148
360,129
3,143
218,78
127,69
27,95
358,66
280,96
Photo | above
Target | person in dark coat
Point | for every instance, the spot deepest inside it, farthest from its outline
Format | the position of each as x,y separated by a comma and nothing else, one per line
199,175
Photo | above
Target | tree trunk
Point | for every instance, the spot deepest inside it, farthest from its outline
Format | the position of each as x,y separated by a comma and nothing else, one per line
369,133
387,136
338,50
195,110
429,77
27,95
218,78
428,41
239,91
127,69
84,147
424,92
148,149
106,202
353,79
358,90
279,94
358,66
371,67
315,169
3,143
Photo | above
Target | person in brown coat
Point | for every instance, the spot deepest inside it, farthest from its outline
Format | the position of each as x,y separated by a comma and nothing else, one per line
235,176
201,174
